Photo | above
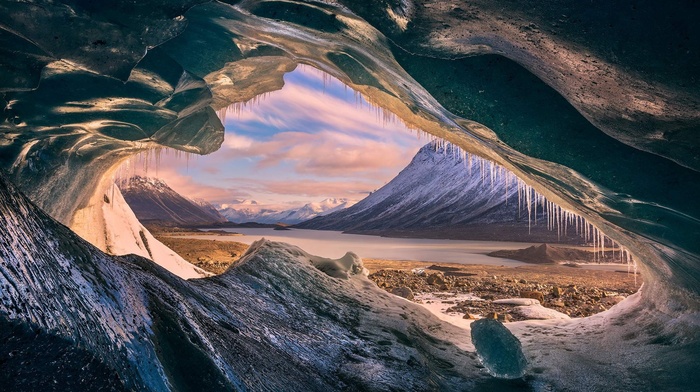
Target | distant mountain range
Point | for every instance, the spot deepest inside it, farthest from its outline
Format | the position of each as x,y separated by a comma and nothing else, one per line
251,211
439,196
154,202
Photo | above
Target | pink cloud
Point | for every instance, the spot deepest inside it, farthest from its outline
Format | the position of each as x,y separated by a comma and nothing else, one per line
329,154
188,186
282,109
353,190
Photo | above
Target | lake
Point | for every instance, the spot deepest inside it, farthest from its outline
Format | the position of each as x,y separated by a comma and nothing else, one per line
334,244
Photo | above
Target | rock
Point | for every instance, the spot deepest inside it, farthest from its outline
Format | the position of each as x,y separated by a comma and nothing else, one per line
505,318
533,294
517,301
523,281
491,315
436,278
418,271
404,292
444,287
498,349
470,316
342,268
557,292
559,304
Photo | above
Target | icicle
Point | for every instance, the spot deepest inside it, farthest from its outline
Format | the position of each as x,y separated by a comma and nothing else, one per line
529,209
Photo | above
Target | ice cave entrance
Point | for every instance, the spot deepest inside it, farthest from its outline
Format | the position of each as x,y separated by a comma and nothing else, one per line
319,166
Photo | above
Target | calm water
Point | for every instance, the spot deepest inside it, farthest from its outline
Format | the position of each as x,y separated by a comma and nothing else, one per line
334,244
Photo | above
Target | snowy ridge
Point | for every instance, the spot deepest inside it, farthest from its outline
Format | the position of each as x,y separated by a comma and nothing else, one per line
251,211
439,188
446,190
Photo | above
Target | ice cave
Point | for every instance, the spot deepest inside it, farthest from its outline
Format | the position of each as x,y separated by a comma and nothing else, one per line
592,105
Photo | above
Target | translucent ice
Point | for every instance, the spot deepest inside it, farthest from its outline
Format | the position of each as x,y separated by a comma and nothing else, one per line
498,349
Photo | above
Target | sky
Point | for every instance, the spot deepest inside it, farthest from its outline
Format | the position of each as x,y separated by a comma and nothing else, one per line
314,139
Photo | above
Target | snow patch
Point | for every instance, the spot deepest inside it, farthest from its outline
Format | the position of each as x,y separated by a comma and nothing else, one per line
110,224
539,312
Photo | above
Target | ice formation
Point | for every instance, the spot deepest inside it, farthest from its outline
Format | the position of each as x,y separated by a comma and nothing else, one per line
609,134
558,218
498,349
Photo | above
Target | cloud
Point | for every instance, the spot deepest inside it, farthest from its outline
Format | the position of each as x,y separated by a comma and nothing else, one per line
328,154
236,142
297,107
298,144
188,186
353,190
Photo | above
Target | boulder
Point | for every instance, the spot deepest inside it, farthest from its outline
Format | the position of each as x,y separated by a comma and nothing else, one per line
557,292
517,301
404,292
533,294
492,315
539,312
504,318
436,278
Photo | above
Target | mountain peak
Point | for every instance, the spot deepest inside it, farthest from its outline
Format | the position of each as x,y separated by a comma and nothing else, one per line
253,212
153,201
440,190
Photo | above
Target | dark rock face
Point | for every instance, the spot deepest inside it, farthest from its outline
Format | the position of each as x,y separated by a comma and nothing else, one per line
546,254
154,202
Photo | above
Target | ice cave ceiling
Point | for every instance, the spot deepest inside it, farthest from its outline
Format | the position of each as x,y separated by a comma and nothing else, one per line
595,104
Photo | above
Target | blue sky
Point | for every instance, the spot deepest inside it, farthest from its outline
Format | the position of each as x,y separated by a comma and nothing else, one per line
315,138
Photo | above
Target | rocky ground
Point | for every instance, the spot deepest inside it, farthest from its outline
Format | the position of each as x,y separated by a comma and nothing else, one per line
469,290
209,255
576,292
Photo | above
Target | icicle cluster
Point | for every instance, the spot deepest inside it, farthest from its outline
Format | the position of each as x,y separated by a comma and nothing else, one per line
361,101
237,107
144,162
557,218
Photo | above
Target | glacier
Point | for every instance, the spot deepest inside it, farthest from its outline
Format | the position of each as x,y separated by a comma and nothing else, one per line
590,106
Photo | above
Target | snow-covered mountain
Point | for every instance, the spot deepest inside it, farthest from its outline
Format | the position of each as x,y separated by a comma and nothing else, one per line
251,211
440,194
153,201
